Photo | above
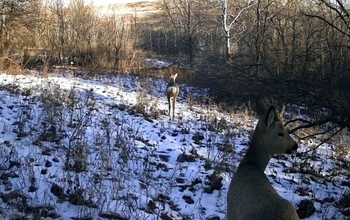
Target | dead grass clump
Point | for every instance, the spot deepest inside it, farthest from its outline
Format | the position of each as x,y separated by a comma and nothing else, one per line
147,104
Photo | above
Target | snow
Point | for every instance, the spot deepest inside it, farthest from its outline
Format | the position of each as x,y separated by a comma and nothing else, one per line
131,157
111,2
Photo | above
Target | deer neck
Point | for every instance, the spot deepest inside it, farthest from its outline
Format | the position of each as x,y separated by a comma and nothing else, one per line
172,82
257,153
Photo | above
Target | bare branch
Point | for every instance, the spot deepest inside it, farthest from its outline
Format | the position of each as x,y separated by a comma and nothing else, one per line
236,17
325,140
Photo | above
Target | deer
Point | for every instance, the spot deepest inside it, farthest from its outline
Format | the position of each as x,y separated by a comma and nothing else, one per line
250,195
172,91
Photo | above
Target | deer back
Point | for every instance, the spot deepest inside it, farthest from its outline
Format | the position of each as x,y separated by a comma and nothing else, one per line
172,88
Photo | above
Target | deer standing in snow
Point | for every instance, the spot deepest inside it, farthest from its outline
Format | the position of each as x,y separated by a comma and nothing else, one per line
172,91
250,195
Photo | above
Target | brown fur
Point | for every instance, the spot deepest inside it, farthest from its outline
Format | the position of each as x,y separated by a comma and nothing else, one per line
172,91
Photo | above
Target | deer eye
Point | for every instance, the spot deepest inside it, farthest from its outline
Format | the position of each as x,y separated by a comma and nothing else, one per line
280,134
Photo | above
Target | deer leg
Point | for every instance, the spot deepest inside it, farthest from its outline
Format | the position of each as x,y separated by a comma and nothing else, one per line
169,104
174,102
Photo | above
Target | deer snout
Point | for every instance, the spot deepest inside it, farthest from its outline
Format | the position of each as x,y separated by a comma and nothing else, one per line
294,148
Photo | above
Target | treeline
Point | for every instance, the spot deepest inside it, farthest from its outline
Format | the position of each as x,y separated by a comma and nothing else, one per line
38,32
295,50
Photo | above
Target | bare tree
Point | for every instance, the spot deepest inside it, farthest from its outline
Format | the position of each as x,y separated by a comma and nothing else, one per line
58,10
334,13
17,27
230,21
187,17
335,16
81,23
114,37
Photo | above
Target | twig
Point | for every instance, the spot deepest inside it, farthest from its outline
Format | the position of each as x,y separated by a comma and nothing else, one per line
309,124
318,133
325,140
7,58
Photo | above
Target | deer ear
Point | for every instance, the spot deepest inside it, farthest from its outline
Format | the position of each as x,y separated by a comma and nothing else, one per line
261,106
270,116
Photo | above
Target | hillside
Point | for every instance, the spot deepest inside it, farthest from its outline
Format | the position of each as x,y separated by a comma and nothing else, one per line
133,8
104,148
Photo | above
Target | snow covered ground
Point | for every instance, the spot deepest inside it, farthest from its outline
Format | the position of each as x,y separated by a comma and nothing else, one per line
105,148
111,2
